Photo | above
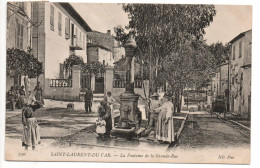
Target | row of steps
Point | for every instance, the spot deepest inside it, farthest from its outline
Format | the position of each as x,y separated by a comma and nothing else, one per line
97,97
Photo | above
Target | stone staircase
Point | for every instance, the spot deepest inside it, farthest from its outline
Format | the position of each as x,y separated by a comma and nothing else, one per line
98,97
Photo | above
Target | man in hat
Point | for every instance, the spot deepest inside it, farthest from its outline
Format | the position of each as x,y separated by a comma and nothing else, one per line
152,115
104,113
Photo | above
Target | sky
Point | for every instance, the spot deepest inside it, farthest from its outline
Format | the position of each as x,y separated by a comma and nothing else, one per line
102,17
229,21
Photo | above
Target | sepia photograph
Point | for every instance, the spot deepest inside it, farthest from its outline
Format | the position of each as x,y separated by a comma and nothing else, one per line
128,82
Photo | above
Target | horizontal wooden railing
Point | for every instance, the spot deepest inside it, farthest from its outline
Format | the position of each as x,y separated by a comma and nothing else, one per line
60,83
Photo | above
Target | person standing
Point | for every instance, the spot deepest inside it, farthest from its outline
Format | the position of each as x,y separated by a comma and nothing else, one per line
21,98
11,97
104,113
39,93
88,100
165,127
153,115
110,101
31,133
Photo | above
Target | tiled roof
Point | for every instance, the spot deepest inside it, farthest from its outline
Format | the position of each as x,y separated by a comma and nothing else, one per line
239,36
76,16
102,39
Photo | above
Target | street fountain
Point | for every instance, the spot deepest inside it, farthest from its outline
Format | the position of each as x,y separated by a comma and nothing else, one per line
130,115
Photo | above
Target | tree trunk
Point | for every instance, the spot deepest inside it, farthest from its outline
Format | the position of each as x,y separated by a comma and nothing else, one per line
180,101
26,86
173,102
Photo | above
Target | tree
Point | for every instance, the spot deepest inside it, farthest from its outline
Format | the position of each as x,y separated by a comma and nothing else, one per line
94,67
220,52
173,35
192,65
21,63
69,62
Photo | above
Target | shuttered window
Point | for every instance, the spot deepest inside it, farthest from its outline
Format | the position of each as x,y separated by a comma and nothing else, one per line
52,18
240,49
83,42
80,41
234,52
67,28
60,24
19,36
76,38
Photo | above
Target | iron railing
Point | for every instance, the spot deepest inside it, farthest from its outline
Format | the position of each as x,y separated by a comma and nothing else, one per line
60,83
121,83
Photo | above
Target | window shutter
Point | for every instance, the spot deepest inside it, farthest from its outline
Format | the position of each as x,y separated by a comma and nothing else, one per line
52,18
240,49
60,24
67,28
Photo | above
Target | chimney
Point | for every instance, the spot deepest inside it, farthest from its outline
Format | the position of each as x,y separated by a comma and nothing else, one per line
109,32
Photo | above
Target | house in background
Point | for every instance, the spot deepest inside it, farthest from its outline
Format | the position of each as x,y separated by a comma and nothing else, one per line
240,74
219,81
104,48
18,34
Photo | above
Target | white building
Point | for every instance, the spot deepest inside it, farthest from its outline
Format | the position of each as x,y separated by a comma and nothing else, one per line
18,35
62,32
240,74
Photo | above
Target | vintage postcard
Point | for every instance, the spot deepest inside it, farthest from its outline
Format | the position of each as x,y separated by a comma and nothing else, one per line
99,82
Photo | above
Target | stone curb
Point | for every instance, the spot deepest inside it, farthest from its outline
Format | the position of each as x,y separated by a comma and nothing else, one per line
234,122
181,128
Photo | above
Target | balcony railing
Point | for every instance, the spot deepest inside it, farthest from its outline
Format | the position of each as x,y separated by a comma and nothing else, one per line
121,83
76,47
60,83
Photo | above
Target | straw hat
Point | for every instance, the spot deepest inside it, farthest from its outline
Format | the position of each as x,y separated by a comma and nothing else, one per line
155,95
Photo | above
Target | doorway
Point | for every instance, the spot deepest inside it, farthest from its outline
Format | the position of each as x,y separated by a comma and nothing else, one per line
99,85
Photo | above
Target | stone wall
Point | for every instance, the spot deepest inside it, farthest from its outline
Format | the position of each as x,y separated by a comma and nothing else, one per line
65,93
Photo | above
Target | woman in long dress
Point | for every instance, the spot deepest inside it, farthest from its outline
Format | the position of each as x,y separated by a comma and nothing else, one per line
165,127
31,134
38,93
104,113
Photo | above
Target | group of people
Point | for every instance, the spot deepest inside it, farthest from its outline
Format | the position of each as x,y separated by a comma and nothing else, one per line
105,120
16,96
159,114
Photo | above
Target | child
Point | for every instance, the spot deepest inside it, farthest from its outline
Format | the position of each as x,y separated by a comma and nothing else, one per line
110,101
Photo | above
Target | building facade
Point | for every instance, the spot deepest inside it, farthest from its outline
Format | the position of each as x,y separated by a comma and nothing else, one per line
18,32
240,74
61,32
220,81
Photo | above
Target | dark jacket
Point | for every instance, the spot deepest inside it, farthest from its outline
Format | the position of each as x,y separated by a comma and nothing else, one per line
88,96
